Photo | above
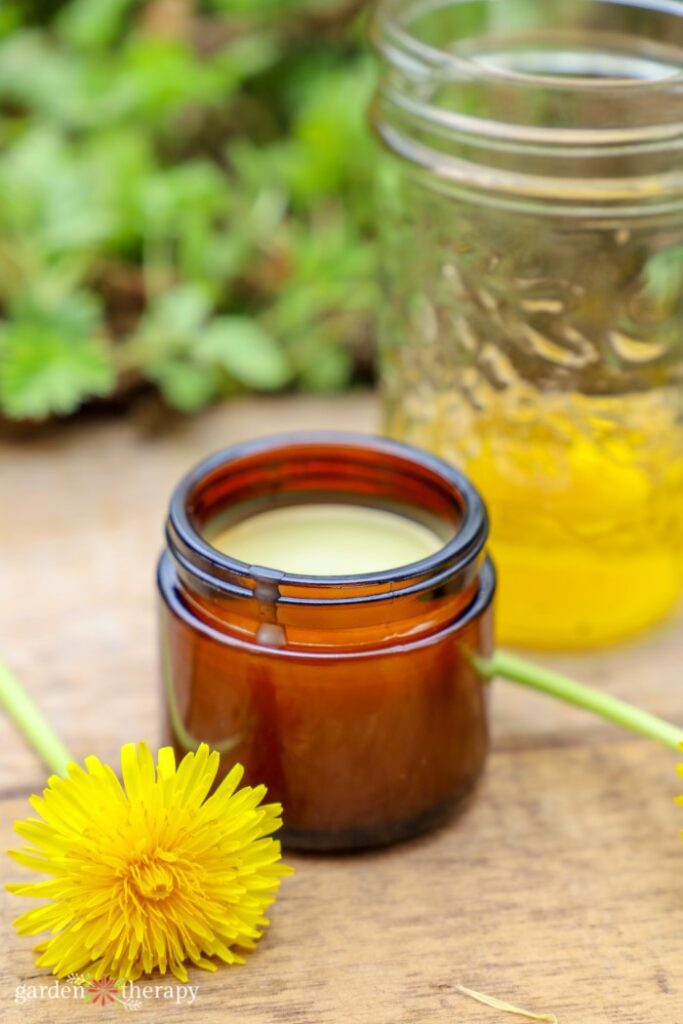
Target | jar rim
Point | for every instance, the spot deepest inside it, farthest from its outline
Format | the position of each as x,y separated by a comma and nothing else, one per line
392,17
480,603
604,104
198,557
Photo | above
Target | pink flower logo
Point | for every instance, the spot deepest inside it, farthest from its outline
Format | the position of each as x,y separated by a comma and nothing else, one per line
104,991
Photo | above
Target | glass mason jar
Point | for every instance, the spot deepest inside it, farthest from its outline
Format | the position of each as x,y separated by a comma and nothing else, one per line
355,699
532,330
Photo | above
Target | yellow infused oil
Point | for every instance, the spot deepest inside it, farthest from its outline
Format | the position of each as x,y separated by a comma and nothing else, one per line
586,507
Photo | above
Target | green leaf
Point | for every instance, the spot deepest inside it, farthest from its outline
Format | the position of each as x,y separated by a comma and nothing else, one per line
120,163
241,60
44,372
245,351
261,8
10,19
160,74
159,78
336,149
187,386
169,196
169,329
51,193
182,310
329,368
39,76
73,315
86,24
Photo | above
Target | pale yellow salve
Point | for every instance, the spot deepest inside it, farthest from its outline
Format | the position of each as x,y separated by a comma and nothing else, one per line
328,540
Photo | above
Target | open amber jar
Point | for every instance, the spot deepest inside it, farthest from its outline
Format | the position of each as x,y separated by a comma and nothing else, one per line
533,324
353,698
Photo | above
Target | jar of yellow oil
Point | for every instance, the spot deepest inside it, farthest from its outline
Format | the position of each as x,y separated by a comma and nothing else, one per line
533,322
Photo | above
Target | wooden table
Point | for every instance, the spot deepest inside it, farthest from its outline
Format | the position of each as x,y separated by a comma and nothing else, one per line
559,887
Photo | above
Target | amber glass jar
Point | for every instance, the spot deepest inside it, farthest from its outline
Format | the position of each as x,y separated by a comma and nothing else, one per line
533,322
354,699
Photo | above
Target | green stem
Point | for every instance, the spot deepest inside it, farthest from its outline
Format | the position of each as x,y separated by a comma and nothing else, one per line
517,670
32,722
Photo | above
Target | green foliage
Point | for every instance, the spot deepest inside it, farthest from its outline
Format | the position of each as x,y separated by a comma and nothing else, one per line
190,207
243,349
50,358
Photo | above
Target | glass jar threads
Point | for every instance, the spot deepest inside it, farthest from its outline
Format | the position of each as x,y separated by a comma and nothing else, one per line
354,698
533,323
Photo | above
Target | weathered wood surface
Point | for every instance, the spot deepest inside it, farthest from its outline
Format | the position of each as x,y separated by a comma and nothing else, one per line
560,887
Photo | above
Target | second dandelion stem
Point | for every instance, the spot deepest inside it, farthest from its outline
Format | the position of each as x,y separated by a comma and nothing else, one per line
518,670
19,705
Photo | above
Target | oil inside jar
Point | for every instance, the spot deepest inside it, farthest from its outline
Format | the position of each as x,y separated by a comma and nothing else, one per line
585,512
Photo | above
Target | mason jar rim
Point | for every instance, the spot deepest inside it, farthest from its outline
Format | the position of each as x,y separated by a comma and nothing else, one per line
419,62
389,26
466,118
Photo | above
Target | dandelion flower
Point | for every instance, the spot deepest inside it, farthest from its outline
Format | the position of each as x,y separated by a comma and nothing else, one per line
150,874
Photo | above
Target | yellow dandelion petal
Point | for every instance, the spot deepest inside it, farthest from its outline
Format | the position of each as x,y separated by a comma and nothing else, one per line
151,874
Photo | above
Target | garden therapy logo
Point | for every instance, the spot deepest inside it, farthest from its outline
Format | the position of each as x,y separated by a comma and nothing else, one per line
127,995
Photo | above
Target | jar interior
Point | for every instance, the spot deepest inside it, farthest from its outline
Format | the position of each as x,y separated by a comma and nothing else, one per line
312,476
220,524
327,539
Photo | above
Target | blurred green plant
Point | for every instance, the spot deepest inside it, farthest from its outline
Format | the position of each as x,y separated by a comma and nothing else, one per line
185,200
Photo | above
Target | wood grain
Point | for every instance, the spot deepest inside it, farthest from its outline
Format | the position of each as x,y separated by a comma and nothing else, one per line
560,886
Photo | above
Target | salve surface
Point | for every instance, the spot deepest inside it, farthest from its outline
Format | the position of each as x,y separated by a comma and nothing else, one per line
328,540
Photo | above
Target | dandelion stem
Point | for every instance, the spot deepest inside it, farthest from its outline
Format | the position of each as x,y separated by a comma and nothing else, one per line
518,670
31,721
